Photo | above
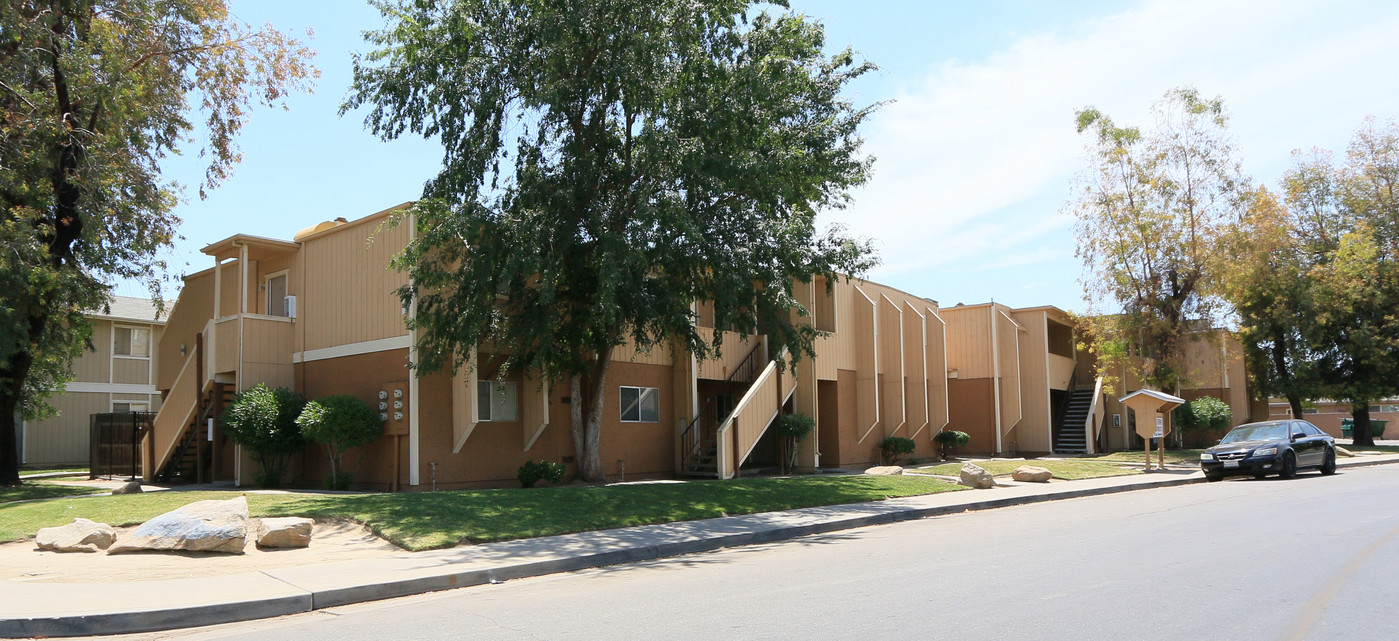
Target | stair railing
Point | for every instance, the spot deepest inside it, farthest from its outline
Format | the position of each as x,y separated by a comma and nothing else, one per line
692,438
1091,423
1064,407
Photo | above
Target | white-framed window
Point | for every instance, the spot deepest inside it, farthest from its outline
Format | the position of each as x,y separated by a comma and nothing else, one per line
640,404
277,294
130,406
1386,408
497,401
133,342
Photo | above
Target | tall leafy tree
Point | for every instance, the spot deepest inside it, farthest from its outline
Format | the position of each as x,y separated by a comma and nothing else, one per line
94,94
1151,211
608,163
1267,283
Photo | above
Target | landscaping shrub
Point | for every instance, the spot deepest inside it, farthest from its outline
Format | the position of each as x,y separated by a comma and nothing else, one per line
791,429
263,419
1202,418
339,423
533,471
895,448
950,440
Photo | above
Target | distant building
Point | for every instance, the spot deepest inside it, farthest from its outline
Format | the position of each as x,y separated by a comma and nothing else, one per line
1328,414
119,375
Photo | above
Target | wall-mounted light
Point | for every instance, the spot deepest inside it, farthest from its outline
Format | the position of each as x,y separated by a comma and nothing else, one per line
182,349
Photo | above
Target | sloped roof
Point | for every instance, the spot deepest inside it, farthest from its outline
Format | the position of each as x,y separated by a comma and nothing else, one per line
1160,396
128,308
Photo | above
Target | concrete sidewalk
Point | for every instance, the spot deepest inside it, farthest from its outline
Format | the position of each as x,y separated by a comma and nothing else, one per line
75,609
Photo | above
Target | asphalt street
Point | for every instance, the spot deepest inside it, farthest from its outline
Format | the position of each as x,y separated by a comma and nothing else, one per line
1311,558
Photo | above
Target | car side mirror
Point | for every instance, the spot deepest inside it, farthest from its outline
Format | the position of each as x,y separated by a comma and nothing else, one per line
1296,435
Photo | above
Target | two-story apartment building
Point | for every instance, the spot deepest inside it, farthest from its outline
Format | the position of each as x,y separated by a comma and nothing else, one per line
320,314
118,374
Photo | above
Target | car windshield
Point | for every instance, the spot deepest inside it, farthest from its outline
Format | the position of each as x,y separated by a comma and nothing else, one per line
1259,432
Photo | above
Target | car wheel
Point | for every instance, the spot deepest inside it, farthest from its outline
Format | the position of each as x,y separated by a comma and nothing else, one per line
1329,465
1213,476
1289,466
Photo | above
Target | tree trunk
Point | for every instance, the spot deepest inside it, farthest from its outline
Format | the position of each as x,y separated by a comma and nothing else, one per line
15,370
1360,433
1295,402
575,419
590,459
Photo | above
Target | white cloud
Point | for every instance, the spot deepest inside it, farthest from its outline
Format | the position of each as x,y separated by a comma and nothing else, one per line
978,156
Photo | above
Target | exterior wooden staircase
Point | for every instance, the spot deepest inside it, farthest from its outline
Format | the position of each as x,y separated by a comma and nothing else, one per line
699,440
192,459
1069,438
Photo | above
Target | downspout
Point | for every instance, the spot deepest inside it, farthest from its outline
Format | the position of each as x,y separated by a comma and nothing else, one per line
238,376
413,455
996,373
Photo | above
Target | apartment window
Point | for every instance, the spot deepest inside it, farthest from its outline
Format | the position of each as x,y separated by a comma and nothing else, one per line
640,404
277,295
132,341
129,406
496,401
1385,408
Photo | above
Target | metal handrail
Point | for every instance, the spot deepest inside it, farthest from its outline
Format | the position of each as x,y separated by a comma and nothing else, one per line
692,438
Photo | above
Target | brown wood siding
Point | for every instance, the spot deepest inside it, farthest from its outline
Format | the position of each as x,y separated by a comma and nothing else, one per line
131,370
970,402
968,341
866,364
94,365
893,413
1007,336
63,438
736,348
826,358
191,311
1035,431
915,370
628,353
353,297
267,350
937,370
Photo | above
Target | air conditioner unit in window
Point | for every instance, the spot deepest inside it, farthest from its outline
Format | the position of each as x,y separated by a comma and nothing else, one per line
291,306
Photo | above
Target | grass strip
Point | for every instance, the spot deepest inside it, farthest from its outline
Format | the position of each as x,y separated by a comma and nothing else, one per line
31,490
1069,470
429,520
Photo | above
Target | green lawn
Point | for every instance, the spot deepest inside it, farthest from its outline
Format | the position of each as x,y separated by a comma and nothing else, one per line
428,520
40,490
1069,470
1181,457
51,470
1387,449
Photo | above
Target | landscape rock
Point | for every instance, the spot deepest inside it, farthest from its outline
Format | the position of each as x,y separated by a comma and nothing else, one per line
1343,451
81,535
1031,474
131,487
885,470
284,532
977,477
202,526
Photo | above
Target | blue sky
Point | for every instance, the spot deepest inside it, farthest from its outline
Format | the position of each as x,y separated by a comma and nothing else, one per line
976,152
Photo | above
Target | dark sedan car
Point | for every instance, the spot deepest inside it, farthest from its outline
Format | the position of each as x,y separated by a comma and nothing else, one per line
1271,447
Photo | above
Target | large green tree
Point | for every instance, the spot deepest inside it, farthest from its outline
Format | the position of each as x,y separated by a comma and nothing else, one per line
1151,211
607,164
94,95
1315,278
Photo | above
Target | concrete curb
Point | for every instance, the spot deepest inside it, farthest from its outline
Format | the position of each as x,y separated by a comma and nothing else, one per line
308,588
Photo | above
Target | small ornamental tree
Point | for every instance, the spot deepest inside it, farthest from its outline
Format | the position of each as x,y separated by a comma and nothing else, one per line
263,419
951,439
792,429
339,423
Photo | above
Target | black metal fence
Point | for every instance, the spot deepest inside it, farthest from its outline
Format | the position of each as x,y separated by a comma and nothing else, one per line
114,444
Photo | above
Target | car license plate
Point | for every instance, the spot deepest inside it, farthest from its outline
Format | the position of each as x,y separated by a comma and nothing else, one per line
1229,464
